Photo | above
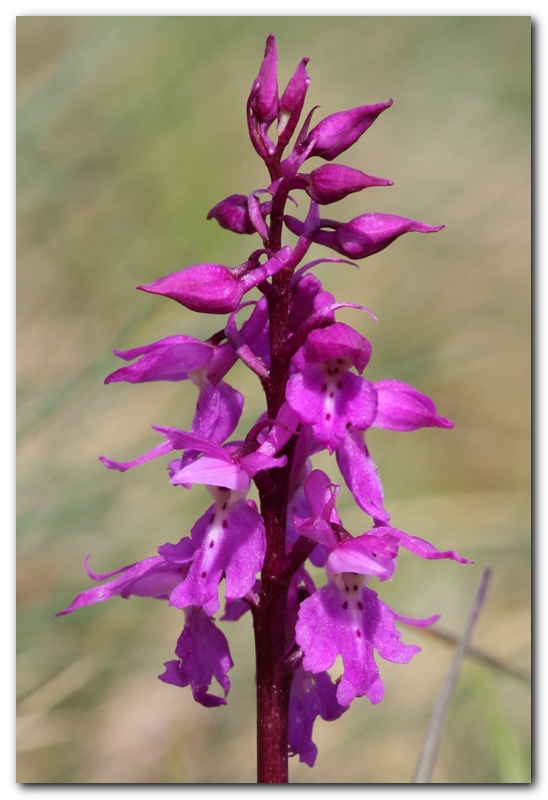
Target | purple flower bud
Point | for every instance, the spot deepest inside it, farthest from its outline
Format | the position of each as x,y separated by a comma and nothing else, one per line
262,105
292,101
263,98
372,232
210,288
232,214
332,182
337,132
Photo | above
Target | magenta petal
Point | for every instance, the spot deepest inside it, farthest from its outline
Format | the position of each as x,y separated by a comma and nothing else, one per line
354,555
229,542
420,547
327,628
417,623
329,403
338,341
353,626
204,654
160,450
182,440
311,696
211,471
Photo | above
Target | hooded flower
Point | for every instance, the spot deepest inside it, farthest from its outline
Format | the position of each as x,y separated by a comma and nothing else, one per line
363,236
347,618
228,541
325,394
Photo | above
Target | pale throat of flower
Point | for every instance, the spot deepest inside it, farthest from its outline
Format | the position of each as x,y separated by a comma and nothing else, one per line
224,497
350,584
198,376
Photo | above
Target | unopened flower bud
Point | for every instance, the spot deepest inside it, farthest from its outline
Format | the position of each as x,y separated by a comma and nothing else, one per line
263,98
232,214
292,101
336,133
209,288
332,182
372,232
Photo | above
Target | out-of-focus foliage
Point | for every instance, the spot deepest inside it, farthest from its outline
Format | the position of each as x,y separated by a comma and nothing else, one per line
129,130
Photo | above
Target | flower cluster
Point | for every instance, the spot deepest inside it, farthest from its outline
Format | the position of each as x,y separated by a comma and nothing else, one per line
311,366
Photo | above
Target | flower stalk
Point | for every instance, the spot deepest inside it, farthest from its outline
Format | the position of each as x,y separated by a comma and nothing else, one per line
241,556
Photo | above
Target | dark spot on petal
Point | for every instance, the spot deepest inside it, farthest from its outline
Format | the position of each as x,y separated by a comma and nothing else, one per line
335,371
331,394
360,605
339,384
224,507
345,605
212,542
204,574
340,361
346,587
212,518
328,416
225,524
324,387
355,587
358,633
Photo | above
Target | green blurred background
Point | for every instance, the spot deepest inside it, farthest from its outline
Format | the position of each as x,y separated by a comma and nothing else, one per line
129,130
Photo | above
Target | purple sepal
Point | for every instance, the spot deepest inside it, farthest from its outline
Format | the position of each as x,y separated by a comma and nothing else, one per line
420,547
218,412
169,359
400,407
338,346
320,495
153,577
311,696
204,654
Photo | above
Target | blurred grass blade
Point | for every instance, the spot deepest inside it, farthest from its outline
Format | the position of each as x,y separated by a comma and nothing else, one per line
427,758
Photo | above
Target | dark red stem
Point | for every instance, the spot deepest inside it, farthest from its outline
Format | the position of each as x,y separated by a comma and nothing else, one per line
269,616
